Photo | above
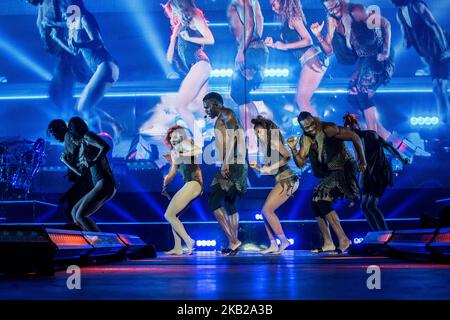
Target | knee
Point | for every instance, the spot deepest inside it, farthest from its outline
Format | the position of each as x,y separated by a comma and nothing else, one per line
267,211
321,208
168,216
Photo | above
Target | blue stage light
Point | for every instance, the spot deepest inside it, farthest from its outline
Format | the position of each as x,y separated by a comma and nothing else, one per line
269,73
24,59
259,216
358,240
150,31
291,241
206,243
424,121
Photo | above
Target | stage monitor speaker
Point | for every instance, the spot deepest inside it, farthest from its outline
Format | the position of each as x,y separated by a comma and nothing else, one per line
374,243
106,245
412,242
25,249
440,245
136,247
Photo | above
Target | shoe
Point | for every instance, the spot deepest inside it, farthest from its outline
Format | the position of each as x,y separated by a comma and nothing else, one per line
226,252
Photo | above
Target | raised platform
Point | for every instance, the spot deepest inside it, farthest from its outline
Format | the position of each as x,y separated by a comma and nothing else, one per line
295,275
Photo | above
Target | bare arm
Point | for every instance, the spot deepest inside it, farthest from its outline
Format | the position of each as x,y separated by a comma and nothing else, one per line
249,25
61,43
172,172
259,19
173,40
325,43
201,25
386,26
94,140
301,155
389,147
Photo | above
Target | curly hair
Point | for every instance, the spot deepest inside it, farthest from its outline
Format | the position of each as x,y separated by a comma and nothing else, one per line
291,9
169,134
350,119
188,9
268,125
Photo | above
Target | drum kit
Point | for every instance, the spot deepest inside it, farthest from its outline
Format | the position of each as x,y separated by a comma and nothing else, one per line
20,161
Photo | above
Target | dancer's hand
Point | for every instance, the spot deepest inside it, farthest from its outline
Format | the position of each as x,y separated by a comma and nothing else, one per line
225,171
292,142
165,193
382,56
254,165
317,28
269,42
362,166
280,46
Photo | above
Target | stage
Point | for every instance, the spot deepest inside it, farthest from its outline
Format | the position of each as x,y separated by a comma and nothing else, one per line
297,275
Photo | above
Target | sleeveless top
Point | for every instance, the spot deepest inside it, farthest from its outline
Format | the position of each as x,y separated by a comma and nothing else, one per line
93,56
190,53
366,42
334,155
289,35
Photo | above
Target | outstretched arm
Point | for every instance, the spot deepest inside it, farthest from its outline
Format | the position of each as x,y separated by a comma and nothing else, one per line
389,147
345,134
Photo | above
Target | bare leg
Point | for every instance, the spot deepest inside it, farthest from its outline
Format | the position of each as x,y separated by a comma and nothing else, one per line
234,224
90,203
182,198
189,90
328,244
373,123
308,83
222,218
344,241
104,77
275,199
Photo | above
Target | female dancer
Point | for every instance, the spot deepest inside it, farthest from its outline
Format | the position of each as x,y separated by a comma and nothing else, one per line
93,160
85,37
296,38
183,159
276,159
190,33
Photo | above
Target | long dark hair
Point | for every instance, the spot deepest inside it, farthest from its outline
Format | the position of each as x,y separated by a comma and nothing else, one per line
77,128
291,9
268,125
188,9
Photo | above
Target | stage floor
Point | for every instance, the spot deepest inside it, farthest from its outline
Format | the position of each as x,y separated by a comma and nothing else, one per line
297,275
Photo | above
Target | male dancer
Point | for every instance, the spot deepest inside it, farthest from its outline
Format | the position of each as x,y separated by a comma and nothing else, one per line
246,22
323,144
422,31
378,174
81,185
230,181
351,39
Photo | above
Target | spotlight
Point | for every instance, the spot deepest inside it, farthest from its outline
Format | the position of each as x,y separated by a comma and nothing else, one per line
259,216
424,121
291,241
358,240
206,243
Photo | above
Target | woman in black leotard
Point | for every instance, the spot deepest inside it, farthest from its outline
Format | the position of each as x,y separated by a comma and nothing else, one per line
296,39
190,33
85,38
92,157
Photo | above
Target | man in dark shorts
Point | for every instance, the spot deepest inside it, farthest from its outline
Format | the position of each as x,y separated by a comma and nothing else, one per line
246,22
231,181
422,32
323,144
